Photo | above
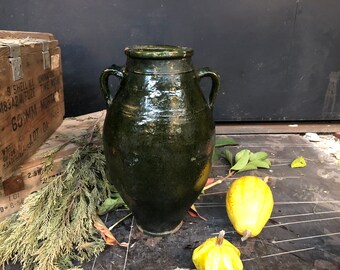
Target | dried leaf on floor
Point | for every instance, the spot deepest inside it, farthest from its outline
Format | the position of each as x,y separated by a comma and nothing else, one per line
105,233
194,213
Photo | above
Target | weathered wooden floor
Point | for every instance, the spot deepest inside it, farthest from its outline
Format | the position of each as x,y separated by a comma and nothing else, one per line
303,232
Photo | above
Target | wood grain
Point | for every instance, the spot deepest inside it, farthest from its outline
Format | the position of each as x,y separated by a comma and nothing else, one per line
31,108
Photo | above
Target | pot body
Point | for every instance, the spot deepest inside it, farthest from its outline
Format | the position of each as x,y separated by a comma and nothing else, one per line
158,134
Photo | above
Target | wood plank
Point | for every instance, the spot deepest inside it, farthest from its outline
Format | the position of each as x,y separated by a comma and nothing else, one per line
277,128
22,35
303,232
28,46
32,107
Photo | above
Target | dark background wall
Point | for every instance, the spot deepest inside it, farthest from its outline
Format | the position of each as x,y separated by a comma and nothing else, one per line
278,59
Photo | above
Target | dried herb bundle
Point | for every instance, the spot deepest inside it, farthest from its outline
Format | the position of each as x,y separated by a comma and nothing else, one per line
54,227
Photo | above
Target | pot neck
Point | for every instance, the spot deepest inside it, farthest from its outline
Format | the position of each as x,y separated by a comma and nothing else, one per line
158,59
158,66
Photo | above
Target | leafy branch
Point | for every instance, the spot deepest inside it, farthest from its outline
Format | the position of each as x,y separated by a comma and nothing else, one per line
242,161
58,224
245,160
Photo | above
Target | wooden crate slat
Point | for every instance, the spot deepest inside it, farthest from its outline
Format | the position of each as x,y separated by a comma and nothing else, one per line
31,107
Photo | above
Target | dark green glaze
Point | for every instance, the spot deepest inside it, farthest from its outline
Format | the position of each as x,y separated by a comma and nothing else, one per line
159,134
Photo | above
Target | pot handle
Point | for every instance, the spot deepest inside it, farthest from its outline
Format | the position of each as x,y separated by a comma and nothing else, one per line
104,81
216,82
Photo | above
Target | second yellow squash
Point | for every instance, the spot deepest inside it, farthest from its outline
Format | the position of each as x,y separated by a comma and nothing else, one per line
249,203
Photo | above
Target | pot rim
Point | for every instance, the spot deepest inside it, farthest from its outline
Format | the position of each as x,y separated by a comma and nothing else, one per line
158,51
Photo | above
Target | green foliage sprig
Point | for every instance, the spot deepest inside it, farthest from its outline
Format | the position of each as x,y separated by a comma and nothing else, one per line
54,227
242,161
245,160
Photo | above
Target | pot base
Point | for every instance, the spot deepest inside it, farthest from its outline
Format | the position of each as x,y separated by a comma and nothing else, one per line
160,233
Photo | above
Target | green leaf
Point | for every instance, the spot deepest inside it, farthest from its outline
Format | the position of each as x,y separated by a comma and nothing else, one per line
110,204
242,159
258,156
299,162
259,164
248,167
229,157
268,162
241,153
215,156
225,141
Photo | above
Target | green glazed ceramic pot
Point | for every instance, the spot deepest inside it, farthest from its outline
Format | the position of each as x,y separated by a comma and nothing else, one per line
159,134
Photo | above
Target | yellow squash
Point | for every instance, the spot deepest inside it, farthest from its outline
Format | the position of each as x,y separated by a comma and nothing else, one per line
249,205
217,254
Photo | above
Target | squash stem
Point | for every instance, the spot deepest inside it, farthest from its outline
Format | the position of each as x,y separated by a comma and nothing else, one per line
246,235
220,238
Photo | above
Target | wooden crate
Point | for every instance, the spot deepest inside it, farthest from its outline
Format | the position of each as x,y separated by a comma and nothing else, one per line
31,95
27,178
